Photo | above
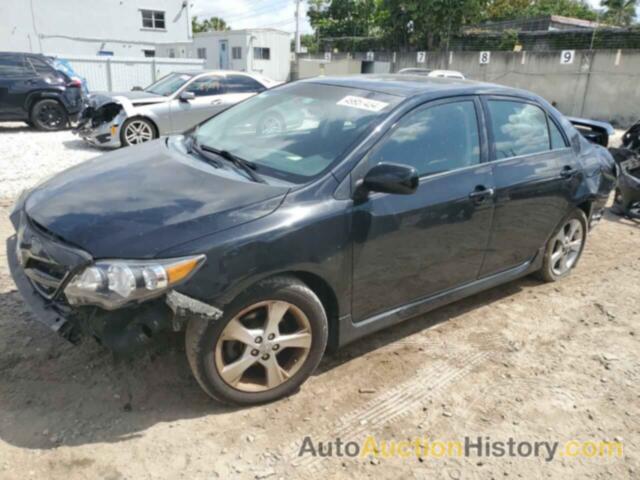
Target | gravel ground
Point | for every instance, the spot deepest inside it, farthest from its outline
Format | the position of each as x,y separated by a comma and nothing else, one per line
525,360
29,157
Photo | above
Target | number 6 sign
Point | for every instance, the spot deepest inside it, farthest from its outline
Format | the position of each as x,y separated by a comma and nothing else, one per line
485,57
566,57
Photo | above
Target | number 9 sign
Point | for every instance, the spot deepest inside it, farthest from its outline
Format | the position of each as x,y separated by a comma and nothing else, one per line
485,58
566,57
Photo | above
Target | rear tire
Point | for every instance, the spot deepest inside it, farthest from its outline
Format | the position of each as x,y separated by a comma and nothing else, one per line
565,247
268,342
49,115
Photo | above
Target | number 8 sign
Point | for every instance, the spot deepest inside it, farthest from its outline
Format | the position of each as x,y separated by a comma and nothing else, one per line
485,57
566,57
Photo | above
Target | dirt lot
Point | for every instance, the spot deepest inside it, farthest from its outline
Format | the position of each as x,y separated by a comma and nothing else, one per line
530,361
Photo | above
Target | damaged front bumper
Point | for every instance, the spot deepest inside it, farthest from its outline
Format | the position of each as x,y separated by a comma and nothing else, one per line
627,199
41,267
100,123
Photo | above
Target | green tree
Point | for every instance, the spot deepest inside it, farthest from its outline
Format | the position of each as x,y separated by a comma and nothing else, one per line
342,19
425,23
620,12
514,9
208,25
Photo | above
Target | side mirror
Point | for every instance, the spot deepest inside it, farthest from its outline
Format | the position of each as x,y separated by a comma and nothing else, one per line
186,96
391,178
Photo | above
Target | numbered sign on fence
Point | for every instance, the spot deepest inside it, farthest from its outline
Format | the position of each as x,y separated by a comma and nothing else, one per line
485,58
567,56
370,56
327,56
421,57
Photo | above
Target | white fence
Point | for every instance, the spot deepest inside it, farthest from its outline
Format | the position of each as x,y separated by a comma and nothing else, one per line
124,73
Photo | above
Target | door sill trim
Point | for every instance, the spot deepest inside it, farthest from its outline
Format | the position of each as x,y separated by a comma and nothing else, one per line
350,330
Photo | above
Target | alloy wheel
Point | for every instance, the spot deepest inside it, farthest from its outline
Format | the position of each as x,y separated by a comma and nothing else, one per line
138,131
263,346
51,116
567,245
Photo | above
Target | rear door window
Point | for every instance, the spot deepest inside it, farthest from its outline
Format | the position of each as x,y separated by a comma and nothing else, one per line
242,84
434,139
519,128
557,140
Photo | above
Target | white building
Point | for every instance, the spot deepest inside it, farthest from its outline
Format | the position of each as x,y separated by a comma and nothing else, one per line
124,28
263,50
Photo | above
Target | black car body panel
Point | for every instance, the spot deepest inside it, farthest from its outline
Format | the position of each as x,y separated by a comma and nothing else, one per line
373,261
26,78
119,206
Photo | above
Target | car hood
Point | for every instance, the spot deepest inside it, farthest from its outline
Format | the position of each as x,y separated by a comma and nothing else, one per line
137,202
127,99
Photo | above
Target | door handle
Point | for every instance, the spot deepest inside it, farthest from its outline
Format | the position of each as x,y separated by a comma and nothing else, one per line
480,193
217,101
567,171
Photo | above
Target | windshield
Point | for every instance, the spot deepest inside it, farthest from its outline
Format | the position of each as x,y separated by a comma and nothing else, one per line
168,84
297,131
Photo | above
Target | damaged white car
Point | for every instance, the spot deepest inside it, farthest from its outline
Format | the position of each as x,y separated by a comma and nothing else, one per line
173,104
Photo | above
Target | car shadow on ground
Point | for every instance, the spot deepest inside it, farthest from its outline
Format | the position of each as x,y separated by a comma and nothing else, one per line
79,144
612,217
56,394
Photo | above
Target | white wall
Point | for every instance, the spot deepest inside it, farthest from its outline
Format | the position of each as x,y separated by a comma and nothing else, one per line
276,68
123,73
83,27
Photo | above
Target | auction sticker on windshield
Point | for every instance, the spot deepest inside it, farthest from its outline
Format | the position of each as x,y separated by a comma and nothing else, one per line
362,103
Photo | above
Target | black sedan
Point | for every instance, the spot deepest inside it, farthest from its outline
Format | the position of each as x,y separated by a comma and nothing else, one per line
392,196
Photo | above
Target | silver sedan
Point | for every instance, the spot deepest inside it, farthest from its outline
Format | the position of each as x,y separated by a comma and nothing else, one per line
173,104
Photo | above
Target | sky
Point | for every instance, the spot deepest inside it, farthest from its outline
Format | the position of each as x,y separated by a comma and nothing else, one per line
240,14
267,13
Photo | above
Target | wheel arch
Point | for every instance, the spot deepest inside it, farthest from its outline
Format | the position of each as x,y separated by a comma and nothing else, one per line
586,206
318,285
35,97
153,123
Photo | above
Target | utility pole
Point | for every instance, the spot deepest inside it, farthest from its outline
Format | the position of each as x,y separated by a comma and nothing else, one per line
297,26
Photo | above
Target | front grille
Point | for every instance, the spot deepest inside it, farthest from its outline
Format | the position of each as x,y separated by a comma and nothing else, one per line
43,270
45,275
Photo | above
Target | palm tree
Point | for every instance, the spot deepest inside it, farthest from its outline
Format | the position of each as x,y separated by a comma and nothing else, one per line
208,25
620,12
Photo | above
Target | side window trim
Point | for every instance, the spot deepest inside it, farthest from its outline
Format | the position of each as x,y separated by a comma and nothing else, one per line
552,121
434,103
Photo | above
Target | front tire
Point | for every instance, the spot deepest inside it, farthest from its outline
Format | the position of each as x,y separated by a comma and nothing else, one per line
137,130
565,247
269,341
49,115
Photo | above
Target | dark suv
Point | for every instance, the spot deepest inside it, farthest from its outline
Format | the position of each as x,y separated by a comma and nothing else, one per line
33,91
393,196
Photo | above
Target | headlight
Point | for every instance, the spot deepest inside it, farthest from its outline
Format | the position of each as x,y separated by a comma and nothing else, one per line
112,283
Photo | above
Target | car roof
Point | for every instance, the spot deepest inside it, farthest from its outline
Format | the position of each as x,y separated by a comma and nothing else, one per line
404,85
217,72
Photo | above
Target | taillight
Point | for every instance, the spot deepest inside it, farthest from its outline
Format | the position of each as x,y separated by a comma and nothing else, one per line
75,83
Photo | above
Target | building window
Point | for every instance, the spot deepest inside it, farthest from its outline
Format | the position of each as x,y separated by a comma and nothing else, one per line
153,19
261,53
149,53
172,53
202,52
236,53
